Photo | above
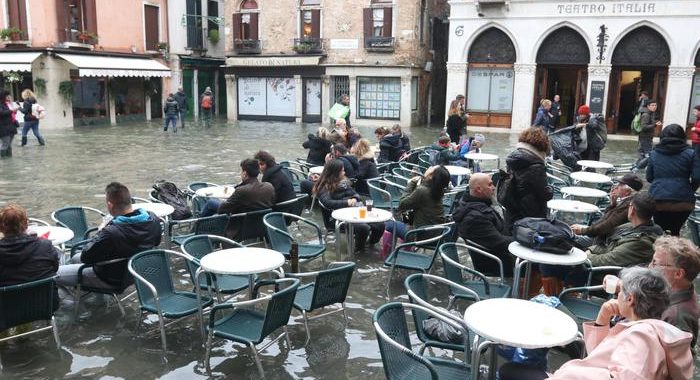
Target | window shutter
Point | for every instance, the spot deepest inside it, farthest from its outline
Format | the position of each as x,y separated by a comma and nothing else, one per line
316,23
386,30
367,21
237,26
90,16
254,26
61,22
17,15
152,25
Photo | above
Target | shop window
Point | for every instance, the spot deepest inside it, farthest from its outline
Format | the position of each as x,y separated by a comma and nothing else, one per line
17,16
89,101
414,93
490,89
129,99
151,23
78,18
379,98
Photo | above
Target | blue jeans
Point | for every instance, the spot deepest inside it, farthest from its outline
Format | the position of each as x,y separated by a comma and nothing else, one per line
34,126
183,113
171,120
210,208
400,227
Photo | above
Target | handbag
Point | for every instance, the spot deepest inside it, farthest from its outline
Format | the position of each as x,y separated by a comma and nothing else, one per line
544,235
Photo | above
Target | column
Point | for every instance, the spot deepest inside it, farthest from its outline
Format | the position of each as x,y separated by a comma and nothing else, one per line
456,82
231,97
406,111
112,104
216,92
680,85
59,110
598,73
523,88
147,99
299,98
354,95
325,97
195,94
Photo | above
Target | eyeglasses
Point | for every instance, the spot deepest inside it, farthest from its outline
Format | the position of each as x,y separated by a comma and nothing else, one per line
657,265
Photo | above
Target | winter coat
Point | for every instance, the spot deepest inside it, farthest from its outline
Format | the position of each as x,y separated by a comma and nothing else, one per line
351,165
123,237
427,211
614,216
339,197
695,135
367,169
318,149
284,190
673,169
7,127
405,145
627,246
25,258
532,191
26,109
181,100
648,121
683,312
445,155
454,126
171,108
207,93
596,133
389,147
555,120
479,222
250,195
542,119
647,349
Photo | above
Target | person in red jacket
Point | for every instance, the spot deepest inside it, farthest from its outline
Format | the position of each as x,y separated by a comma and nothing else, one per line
696,131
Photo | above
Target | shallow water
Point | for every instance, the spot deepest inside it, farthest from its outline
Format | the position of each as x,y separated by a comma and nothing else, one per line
74,167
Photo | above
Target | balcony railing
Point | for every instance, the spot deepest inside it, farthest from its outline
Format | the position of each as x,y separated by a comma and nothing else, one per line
246,46
385,44
308,45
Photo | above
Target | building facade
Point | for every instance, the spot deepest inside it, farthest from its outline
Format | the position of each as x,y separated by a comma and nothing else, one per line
506,56
88,61
290,59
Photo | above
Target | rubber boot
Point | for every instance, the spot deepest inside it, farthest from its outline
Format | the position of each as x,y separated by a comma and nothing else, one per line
552,286
24,140
41,141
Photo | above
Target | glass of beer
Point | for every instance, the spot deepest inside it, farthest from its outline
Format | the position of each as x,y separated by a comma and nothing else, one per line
363,212
369,203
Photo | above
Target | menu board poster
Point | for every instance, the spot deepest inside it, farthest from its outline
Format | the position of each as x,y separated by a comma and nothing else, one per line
251,96
694,97
502,81
490,90
597,94
281,97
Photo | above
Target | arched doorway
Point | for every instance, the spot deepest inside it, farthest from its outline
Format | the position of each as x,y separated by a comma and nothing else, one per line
562,69
695,92
639,63
490,73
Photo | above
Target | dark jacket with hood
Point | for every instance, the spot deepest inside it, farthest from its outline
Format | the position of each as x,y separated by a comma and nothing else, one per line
454,126
531,189
627,246
596,132
27,109
181,100
338,198
318,149
284,190
367,169
389,147
25,258
171,107
479,222
674,169
542,120
123,236
351,165
648,121
7,127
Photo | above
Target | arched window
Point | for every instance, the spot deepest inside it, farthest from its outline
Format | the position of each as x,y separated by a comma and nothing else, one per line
245,28
249,4
492,46
310,2
643,46
564,46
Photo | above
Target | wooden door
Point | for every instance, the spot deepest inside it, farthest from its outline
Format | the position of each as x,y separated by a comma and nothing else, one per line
613,100
541,76
659,93
581,87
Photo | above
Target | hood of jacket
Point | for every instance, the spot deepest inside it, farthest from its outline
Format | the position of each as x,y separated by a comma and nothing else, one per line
674,342
351,159
627,231
271,172
673,140
523,156
17,249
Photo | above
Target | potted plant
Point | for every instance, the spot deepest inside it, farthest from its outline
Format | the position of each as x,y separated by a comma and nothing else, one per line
40,86
65,89
12,34
303,47
87,37
214,36
162,46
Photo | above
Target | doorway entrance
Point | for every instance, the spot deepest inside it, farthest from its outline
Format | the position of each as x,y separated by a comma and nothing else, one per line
311,100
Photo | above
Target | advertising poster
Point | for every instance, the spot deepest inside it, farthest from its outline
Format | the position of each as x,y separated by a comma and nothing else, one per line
251,96
281,97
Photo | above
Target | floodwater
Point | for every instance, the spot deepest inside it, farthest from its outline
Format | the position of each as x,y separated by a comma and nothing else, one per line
74,167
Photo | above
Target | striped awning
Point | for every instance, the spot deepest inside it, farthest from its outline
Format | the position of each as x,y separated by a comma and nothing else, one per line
17,61
102,66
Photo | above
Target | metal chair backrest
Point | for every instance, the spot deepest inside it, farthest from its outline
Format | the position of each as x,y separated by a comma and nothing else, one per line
277,232
153,196
74,218
199,246
451,200
27,302
198,203
253,226
151,269
332,284
292,206
452,272
280,305
194,186
381,197
693,225
430,237
211,225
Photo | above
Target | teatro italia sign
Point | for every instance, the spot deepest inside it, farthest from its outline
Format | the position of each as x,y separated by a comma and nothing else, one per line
607,8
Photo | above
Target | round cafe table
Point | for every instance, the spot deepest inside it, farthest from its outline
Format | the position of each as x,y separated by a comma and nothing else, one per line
589,177
458,171
57,235
221,192
316,170
351,216
516,323
569,205
161,210
527,256
594,164
477,157
584,192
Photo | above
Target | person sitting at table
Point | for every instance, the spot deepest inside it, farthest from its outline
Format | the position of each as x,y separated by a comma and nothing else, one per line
367,168
615,214
129,232
350,162
446,152
480,223
628,339
471,145
423,196
388,145
404,141
343,134
334,192
319,145
272,173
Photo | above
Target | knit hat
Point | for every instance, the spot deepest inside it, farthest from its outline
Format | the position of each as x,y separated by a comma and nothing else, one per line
480,138
632,181
584,110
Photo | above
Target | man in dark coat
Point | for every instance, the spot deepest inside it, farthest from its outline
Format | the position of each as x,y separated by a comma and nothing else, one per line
272,173
183,107
480,223
129,232
350,162
650,120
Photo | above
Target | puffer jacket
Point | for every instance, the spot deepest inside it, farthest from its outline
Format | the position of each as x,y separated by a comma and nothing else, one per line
648,120
596,133
673,169
367,169
318,149
339,197
542,119
389,147
25,258
284,190
171,107
427,211
627,246
181,100
530,176
351,165
7,127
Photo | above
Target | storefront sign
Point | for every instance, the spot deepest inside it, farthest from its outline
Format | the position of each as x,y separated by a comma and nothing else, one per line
344,44
597,94
610,8
272,61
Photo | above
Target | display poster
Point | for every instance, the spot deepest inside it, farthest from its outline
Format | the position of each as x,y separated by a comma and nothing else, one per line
694,98
477,93
501,91
313,97
597,94
251,96
281,97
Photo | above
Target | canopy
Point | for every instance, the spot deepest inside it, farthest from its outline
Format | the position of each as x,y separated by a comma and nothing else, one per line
102,66
17,61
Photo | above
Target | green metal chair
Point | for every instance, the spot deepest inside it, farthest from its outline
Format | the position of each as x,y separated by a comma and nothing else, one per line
450,200
381,198
417,286
210,225
330,286
400,362
156,291
199,246
29,302
579,300
75,218
404,257
248,326
693,223
194,186
295,176
281,240
481,285
293,206
251,226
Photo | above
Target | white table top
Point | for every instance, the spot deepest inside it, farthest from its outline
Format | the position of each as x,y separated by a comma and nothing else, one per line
575,257
520,323
316,169
569,205
457,170
595,164
352,215
248,260
480,156
221,192
580,191
160,209
57,235
590,177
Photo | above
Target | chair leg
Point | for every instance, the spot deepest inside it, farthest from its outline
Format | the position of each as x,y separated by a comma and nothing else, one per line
306,326
388,281
257,360
76,310
162,334
119,304
286,337
207,353
138,323
54,328
345,314
451,302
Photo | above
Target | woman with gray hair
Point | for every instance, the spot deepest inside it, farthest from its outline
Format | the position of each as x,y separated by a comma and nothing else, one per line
638,346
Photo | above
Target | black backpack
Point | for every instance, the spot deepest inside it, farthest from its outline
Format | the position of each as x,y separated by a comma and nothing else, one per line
543,234
168,193
506,192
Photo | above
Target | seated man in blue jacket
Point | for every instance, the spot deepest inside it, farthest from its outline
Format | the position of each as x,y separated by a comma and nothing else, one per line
128,233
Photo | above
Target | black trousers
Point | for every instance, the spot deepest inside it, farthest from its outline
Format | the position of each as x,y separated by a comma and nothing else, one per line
517,371
671,220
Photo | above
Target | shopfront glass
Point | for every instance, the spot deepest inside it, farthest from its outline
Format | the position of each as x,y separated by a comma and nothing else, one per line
129,99
89,101
379,98
490,90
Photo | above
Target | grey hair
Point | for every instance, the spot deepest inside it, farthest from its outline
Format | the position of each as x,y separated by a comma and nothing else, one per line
650,290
